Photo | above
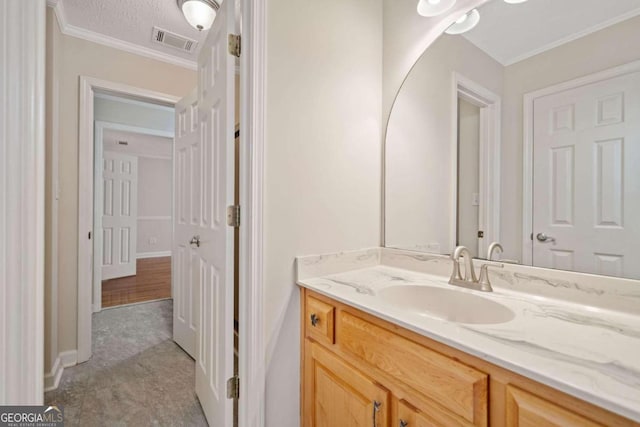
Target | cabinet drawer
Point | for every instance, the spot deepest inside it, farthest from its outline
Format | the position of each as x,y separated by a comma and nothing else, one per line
528,410
319,320
408,416
455,386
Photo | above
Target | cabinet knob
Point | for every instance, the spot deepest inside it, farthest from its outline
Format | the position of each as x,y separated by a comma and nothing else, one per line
314,319
404,423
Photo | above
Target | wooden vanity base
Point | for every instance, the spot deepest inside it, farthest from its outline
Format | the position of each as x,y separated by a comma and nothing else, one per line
361,371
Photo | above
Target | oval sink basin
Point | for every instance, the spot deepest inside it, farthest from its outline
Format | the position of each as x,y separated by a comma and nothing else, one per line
447,304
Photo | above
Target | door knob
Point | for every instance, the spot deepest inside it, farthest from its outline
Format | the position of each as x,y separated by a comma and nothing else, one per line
195,240
544,238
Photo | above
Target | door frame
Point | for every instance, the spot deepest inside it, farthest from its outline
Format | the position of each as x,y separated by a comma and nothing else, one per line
88,88
100,127
527,143
490,105
253,69
22,202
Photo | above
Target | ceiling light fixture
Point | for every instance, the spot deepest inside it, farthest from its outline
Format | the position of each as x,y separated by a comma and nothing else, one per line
434,7
464,23
199,13
514,1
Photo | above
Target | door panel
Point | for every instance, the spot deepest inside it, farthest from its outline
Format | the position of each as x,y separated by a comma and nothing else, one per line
342,396
586,186
524,409
119,215
186,182
212,181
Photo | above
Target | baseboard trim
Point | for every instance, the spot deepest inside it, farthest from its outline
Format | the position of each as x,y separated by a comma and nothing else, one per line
143,255
64,360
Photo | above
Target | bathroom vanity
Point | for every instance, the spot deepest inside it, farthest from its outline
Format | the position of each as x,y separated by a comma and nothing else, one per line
516,130
376,354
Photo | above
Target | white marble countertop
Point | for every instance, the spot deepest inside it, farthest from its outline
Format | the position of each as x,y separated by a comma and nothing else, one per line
588,352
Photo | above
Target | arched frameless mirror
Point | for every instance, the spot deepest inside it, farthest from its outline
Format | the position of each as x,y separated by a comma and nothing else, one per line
524,129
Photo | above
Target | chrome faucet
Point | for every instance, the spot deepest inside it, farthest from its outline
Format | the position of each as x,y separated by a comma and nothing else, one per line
495,246
492,248
470,281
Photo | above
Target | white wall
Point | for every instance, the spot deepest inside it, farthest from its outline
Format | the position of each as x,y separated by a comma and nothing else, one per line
420,145
323,154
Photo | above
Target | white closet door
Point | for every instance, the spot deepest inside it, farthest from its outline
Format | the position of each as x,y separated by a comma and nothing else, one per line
187,178
212,168
119,215
586,183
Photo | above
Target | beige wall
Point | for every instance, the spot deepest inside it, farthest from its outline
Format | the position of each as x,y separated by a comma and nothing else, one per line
324,80
74,58
420,142
51,203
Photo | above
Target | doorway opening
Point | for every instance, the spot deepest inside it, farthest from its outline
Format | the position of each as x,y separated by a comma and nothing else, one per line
477,166
133,199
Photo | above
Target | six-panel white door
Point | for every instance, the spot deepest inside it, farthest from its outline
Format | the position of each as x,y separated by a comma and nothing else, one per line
119,215
213,271
186,224
586,205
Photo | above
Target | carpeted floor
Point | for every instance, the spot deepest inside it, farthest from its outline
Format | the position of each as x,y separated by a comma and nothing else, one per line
137,375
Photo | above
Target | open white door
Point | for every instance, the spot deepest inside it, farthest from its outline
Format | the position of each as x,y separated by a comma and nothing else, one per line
586,157
186,223
213,268
119,215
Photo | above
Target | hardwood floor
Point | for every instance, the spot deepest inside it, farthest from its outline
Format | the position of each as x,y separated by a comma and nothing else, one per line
152,282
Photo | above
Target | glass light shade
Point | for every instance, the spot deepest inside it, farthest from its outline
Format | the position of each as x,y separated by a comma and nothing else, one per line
199,14
434,7
465,23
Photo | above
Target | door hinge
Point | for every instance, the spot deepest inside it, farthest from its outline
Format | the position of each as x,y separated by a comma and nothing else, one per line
233,216
233,387
235,45
89,235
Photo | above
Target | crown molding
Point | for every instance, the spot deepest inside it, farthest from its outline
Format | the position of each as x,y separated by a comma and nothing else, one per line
92,36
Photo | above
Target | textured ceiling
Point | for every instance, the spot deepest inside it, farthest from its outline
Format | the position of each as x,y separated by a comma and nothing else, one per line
133,21
512,32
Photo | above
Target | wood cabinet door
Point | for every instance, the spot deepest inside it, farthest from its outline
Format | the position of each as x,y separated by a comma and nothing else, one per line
528,410
340,396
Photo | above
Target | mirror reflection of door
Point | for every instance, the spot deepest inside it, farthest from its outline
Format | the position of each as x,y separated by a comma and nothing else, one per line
468,176
585,201
559,190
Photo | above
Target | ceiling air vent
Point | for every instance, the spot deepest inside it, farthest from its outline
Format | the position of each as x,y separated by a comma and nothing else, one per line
173,40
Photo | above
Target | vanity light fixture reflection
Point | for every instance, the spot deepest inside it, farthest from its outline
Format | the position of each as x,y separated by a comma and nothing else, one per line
434,7
464,23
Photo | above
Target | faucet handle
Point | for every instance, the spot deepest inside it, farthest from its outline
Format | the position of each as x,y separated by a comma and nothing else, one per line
484,281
